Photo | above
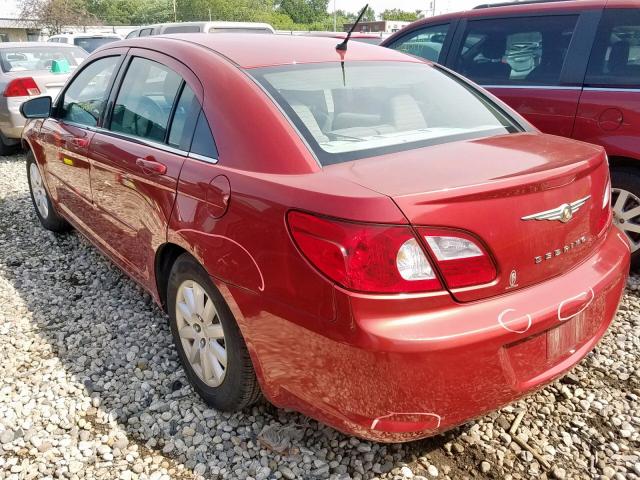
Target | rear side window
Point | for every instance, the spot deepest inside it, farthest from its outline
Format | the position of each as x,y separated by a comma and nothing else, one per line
143,106
425,43
203,143
184,119
526,50
182,29
615,58
84,100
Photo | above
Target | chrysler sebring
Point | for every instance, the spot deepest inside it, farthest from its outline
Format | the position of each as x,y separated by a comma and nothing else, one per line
357,234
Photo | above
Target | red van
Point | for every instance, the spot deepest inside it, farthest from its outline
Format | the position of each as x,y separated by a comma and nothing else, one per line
572,68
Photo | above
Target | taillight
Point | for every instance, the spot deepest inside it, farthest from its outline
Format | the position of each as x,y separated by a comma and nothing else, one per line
606,196
462,259
21,87
606,212
364,257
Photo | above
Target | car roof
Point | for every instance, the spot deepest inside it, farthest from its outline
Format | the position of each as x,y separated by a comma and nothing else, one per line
248,50
84,34
544,6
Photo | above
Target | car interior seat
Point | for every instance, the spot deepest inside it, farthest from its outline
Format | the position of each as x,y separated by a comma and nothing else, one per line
492,65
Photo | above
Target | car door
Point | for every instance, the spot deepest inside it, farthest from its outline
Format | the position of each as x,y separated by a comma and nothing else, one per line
137,157
533,62
69,130
609,112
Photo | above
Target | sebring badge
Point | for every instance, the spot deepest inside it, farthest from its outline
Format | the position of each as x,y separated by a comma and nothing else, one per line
564,213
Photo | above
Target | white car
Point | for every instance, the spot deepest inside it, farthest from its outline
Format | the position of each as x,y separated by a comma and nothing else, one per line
201,27
86,41
28,70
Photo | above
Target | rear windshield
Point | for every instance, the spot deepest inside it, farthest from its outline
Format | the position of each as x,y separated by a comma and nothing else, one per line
363,109
27,59
91,43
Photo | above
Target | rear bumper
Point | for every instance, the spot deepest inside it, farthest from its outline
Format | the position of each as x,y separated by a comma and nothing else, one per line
11,120
406,370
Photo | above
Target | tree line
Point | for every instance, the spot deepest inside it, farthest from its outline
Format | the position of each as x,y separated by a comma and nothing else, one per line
54,15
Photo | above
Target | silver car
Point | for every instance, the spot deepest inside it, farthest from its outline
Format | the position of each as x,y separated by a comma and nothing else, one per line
27,70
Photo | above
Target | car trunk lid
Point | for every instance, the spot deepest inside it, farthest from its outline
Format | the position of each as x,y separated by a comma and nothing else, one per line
48,83
501,190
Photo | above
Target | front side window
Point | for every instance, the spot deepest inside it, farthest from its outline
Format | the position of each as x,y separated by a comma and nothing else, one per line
84,100
615,58
54,59
144,102
525,50
425,43
145,32
363,109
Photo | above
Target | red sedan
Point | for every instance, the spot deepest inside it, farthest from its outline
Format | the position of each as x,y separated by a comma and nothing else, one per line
359,235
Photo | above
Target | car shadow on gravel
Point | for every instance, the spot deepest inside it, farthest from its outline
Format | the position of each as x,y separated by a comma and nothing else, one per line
115,344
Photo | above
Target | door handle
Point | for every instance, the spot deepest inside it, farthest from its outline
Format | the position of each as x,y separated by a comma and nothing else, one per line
151,167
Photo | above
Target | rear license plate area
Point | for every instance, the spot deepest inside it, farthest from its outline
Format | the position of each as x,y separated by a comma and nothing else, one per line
564,339
529,357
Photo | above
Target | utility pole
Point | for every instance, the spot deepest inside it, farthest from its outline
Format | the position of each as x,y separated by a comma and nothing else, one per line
209,14
433,11
335,17
175,16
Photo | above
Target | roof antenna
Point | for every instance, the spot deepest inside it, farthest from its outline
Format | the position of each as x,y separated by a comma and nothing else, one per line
343,45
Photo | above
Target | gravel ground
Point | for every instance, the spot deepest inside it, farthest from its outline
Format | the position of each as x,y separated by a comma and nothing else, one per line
91,388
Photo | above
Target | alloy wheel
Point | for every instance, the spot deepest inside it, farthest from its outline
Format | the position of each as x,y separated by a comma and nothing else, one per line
626,215
201,333
39,193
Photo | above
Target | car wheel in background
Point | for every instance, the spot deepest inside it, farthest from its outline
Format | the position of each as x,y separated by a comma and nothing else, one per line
625,201
209,343
49,218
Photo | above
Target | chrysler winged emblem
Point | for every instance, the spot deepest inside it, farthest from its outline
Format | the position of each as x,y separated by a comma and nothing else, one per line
564,213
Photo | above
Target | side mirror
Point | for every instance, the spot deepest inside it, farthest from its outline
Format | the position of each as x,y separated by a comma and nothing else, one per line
39,107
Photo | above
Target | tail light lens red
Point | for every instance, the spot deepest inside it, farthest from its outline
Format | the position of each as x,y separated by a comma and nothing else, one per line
364,257
462,259
21,87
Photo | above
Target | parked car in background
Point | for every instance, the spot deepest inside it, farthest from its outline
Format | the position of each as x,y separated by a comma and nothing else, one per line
29,70
201,27
570,67
86,41
362,236
372,38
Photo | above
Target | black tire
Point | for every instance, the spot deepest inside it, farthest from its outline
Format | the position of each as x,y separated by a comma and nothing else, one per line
239,388
628,178
53,221
5,149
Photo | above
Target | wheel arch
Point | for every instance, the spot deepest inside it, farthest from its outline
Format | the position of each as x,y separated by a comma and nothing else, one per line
166,256
617,161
